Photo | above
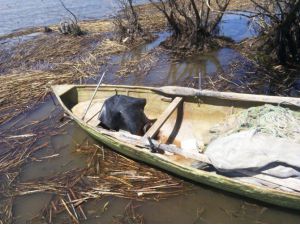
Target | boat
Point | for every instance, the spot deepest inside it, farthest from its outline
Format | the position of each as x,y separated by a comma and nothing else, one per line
181,113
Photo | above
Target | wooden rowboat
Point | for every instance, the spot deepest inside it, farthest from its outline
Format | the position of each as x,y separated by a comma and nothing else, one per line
182,114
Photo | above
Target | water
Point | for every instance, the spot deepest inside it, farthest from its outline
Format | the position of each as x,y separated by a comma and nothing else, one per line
19,14
201,205
237,27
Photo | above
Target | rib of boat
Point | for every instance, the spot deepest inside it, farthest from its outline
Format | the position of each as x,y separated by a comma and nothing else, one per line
181,114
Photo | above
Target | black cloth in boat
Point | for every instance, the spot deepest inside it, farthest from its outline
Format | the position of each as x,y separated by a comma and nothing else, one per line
121,112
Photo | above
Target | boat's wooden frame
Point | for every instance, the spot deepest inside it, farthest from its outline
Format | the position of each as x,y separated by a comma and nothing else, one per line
265,194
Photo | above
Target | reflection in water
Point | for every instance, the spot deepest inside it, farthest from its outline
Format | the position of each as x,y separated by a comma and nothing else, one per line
207,64
167,72
237,27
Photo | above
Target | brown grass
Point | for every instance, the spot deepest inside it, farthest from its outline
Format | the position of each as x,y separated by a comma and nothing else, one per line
240,5
34,66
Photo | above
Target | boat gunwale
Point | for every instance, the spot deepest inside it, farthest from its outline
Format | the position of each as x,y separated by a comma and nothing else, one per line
282,100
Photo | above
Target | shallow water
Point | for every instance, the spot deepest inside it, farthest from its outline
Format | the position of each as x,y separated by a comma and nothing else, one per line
200,205
237,27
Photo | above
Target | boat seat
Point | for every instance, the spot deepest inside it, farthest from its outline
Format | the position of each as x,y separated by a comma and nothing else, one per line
163,118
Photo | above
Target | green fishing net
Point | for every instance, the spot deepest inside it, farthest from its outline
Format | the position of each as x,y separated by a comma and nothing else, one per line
268,119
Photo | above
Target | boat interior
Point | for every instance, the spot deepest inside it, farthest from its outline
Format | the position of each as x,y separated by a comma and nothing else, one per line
189,124
193,119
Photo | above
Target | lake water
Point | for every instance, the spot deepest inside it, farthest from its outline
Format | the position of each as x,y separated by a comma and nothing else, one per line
17,14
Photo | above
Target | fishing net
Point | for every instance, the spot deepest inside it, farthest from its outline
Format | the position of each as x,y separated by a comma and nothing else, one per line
268,119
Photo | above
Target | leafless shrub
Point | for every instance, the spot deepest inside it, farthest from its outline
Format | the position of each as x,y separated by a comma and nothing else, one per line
192,21
70,25
127,25
279,21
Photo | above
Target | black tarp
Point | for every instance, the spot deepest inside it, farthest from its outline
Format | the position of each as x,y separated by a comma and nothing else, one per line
121,112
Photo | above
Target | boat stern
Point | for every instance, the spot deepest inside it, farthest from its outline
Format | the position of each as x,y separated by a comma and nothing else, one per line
59,90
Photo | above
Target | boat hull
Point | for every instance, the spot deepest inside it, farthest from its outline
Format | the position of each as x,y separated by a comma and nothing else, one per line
264,194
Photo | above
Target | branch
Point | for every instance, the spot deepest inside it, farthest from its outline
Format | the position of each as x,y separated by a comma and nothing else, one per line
61,2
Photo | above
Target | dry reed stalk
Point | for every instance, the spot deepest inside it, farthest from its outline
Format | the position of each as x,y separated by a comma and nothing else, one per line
98,179
38,65
109,47
130,216
78,205
151,19
6,211
73,218
145,182
20,90
97,26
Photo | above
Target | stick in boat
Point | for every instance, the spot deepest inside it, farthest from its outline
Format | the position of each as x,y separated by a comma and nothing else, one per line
200,81
93,95
95,114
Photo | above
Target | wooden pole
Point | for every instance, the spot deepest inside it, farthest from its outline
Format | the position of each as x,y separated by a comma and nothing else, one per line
162,119
93,96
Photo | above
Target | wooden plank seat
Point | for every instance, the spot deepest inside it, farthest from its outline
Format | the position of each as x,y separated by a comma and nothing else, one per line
162,119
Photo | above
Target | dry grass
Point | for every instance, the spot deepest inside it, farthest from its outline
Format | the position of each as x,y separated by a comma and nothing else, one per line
20,91
109,47
97,26
240,5
126,179
48,52
151,19
140,66
36,65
